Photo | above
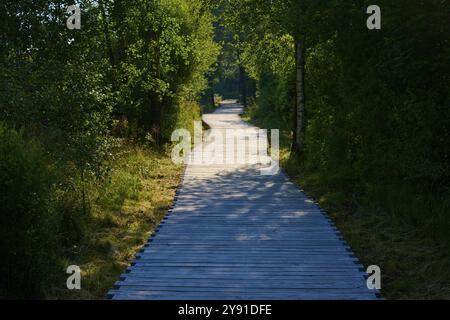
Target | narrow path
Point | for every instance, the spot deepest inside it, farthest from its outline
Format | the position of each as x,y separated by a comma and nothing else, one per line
236,234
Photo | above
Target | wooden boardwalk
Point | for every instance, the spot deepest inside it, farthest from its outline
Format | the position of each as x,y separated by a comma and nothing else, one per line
236,234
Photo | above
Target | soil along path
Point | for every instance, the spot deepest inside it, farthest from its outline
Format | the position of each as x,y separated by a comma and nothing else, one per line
236,233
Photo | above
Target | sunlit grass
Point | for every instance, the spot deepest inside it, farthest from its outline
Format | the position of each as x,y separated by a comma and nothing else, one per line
125,210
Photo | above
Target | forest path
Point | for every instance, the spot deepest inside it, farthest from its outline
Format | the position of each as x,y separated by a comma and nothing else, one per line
234,233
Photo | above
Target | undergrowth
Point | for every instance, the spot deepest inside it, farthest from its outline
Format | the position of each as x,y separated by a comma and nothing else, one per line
404,233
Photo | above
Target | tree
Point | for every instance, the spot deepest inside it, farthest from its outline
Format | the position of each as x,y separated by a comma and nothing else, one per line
256,19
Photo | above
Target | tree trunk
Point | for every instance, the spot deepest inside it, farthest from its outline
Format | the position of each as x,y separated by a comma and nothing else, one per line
107,35
213,102
243,85
298,142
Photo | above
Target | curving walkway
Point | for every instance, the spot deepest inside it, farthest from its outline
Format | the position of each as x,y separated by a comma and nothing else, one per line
236,234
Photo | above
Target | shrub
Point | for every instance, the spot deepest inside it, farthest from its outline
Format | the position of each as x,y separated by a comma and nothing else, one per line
28,225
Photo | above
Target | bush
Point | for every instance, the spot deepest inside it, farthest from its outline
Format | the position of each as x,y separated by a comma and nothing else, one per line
72,211
28,225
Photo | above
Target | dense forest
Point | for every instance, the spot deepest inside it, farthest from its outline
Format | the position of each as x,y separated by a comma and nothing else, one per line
71,100
365,116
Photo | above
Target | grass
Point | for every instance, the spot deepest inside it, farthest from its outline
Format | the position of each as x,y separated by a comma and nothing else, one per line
125,209
398,236
413,265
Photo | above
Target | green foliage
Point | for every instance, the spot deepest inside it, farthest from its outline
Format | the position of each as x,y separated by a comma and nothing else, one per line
377,110
42,217
124,210
133,72
168,51
377,118
27,223
372,118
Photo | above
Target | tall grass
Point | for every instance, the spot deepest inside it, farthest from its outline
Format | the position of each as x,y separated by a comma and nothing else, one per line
125,209
44,226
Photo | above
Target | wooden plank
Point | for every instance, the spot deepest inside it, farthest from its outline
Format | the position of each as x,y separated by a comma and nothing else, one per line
326,294
304,254
246,261
166,278
254,258
246,273
250,287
